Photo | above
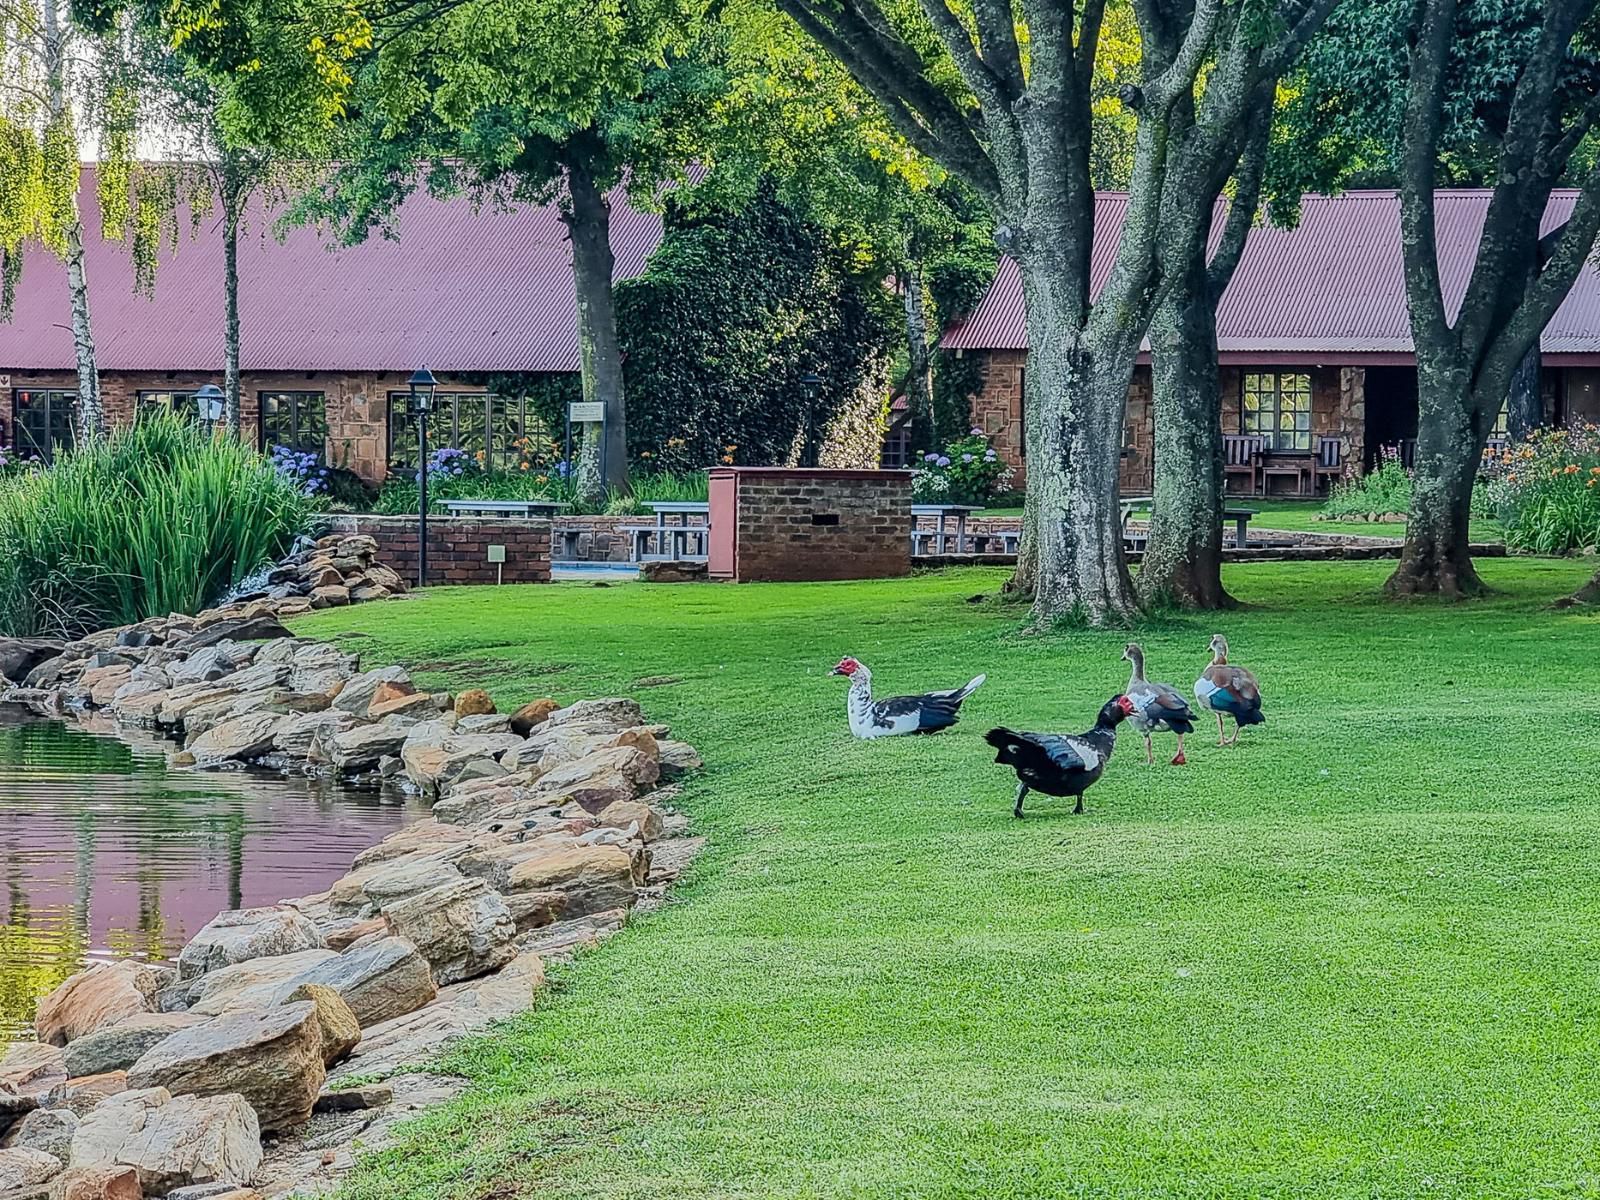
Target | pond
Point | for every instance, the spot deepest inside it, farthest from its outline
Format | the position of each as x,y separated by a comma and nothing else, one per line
106,853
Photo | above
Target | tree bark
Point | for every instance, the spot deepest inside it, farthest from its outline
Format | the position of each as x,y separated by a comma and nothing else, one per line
599,349
232,201
1525,400
919,359
1452,430
1183,552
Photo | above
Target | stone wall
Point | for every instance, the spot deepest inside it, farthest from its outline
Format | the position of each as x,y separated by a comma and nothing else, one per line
779,525
458,547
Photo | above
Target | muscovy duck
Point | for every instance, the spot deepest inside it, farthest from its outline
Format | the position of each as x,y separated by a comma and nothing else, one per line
927,713
1230,690
1156,706
1060,764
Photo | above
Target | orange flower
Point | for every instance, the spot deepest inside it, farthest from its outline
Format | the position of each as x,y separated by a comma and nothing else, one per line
1572,468
1512,478
1594,470
728,458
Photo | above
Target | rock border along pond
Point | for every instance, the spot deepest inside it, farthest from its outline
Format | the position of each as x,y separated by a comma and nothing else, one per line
550,825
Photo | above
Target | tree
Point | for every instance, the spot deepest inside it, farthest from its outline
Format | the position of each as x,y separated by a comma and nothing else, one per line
1497,90
1019,130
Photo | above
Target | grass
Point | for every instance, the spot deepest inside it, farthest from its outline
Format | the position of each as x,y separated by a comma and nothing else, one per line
1301,516
1355,957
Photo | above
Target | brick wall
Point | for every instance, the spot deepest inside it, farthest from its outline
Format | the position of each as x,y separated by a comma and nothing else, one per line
458,547
793,525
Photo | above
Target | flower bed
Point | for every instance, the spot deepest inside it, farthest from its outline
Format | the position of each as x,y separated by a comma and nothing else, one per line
1546,490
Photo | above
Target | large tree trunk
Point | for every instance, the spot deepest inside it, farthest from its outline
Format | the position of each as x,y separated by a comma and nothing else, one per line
231,200
1452,430
919,360
1076,392
599,350
1525,400
1183,554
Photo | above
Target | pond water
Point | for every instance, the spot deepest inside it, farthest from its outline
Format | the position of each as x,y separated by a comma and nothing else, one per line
105,853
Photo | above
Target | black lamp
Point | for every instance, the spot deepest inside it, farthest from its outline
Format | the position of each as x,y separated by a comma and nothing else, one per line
812,382
210,401
419,403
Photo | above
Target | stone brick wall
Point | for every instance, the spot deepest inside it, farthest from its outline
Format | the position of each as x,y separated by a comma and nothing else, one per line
356,404
458,547
794,525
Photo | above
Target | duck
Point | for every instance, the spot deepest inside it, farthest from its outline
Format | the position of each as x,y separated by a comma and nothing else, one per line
927,713
1156,706
1228,690
1060,764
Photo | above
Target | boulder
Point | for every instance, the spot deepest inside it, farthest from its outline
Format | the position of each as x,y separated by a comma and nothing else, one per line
171,1143
320,667
592,878
97,1183
239,739
119,1046
94,998
277,700
332,596
534,910
532,714
604,768
617,711
473,702
427,835
299,736
347,933
18,656
182,700
636,815
84,1095
47,1129
242,934
383,978
359,749
261,982
31,1068
677,759
341,1032
436,770
486,723
99,684
463,929
22,1167
273,1059
358,694
253,629
14,1106
260,677
372,889
208,665
412,704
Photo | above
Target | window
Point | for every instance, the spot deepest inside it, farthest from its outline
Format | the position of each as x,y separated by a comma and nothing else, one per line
43,420
298,420
181,403
1502,423
1277,405
488,428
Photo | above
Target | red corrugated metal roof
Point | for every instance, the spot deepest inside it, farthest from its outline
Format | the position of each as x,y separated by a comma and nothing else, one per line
457,290
1331,286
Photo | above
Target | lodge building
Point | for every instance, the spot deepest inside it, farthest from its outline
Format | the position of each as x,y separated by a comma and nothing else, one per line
1314,344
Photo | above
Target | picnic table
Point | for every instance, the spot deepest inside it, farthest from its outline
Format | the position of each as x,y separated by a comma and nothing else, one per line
1131,504
502,508
672,530
940,539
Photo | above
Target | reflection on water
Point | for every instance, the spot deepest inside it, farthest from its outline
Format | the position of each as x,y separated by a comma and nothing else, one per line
104,853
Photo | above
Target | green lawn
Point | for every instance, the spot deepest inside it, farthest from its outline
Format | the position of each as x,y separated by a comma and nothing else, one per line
1301,516
1357,956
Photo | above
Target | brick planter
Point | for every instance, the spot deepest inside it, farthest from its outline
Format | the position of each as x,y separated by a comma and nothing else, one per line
458,547
790,525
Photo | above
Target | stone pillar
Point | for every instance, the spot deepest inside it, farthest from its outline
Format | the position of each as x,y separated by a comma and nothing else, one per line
1350,425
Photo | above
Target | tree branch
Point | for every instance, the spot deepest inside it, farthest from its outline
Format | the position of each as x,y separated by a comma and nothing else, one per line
1243,206
1420,125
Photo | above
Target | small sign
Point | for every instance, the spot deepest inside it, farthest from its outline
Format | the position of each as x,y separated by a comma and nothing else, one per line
5,381
497,554
586,411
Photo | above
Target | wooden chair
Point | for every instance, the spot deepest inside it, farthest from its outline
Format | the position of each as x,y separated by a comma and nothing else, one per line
1241,455
1329,463
1296,466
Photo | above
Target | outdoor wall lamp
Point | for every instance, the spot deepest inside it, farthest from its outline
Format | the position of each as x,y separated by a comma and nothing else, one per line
419,404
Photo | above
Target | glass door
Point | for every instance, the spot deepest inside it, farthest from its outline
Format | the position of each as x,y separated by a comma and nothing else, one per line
43,421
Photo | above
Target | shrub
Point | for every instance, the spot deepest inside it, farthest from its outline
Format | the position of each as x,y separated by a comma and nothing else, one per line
1385,489
303,469
1547,490
399,495
156,518
967,471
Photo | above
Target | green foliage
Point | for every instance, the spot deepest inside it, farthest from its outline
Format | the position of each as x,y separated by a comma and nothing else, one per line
955,382
1383,490
154,518
399,494
1547,491
967,471
732,312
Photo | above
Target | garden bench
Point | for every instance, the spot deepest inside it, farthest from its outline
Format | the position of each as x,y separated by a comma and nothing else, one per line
940,539
502,508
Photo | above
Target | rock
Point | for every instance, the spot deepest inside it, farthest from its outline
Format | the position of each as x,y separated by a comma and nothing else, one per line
273,1059
94,998
320,667
97,1183
47,1129
299,736
600,772
19,656
117,1047
84,1095
618,712
592,878
341,1032
406,703
237,740
380,979
172,1143
255,629
21,1168
355,1099
242,934
212,1191
359,749
635,814
260,677
488,723
99,685
473,702
333,596
358,694
207,665
463,929
531,714
677,759
353,931
534,910
182,700
419,835
258,982
372,889
31,1068
14,1106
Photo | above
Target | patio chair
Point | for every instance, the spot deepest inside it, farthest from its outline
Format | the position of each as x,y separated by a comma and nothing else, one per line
1241,456
1329,463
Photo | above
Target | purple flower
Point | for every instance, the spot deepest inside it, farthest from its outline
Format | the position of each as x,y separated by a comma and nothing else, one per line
930,456
966,458
976,432
941,461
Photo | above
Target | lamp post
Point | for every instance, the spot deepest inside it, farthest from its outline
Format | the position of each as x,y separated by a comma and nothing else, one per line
210,401
419,405
812,382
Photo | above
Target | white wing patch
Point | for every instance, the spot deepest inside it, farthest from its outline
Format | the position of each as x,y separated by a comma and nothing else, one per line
1090,756
1204,689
